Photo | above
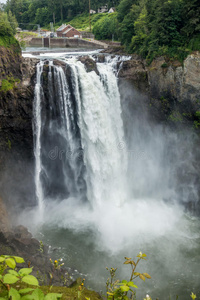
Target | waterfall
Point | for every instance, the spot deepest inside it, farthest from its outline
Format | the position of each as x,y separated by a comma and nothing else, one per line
105,198
37,136
79,141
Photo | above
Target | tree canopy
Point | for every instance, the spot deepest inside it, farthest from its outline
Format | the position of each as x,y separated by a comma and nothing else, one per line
146,27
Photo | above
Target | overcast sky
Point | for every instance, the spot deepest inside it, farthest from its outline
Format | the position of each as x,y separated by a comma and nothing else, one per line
2,1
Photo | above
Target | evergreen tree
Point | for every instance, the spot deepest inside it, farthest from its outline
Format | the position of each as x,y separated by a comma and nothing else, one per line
13,22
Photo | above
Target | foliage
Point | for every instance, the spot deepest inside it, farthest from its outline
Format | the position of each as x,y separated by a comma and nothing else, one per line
8,84
193,296
106,27
82,22
8,24
8,41
46,11
13,22
122,290
160,27
196,124
5,27
10,276
148,27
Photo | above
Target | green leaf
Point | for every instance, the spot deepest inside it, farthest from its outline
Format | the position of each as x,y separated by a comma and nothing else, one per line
25,271
1,276
124,288
2,259
130,283
79,295
10,263
52,296
128,262
18,259
14,294
13,272
30,279
27,290
38,294
147,275
9,279
27,297
193,296
124,281
136,274
111,294
142,277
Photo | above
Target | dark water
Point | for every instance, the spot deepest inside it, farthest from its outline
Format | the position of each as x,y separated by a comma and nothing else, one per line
173,259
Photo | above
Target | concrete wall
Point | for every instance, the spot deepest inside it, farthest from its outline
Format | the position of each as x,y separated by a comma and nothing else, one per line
36,42
64,43
86,34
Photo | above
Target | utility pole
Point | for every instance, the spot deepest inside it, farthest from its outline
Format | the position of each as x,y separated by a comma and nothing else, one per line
89,16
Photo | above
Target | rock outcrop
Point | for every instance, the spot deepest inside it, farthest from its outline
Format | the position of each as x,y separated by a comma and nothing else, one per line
90,64
173,88
17,76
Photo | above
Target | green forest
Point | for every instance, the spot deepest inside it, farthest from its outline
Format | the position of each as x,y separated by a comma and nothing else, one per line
154,27
147,27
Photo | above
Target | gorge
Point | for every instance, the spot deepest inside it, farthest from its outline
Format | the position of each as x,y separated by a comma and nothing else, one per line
116,160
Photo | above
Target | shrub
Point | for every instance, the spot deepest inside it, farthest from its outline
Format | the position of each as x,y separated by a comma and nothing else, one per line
9,276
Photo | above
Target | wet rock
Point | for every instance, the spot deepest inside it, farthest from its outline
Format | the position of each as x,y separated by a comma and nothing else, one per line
89,63
4,219
16,134
134,70
100,58
59,63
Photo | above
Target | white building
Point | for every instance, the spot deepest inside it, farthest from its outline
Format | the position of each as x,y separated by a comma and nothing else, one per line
92,11
103,9
112,10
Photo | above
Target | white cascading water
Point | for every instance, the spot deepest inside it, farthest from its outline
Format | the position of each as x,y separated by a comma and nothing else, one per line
102,135
101,130
37,133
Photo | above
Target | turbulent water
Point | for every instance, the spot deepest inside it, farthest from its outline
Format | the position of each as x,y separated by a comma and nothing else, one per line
107,181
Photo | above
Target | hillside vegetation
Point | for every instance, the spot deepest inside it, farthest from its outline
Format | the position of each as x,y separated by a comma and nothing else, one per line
154,27
147,27
8,26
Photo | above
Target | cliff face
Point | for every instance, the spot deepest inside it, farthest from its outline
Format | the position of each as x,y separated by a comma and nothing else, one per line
173,88
16,137
10,62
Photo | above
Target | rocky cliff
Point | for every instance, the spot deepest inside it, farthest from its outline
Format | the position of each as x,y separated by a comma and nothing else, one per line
16,138
172,88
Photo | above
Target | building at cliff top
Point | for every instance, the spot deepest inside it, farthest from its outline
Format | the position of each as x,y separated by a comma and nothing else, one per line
68,31
103,9
112,10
